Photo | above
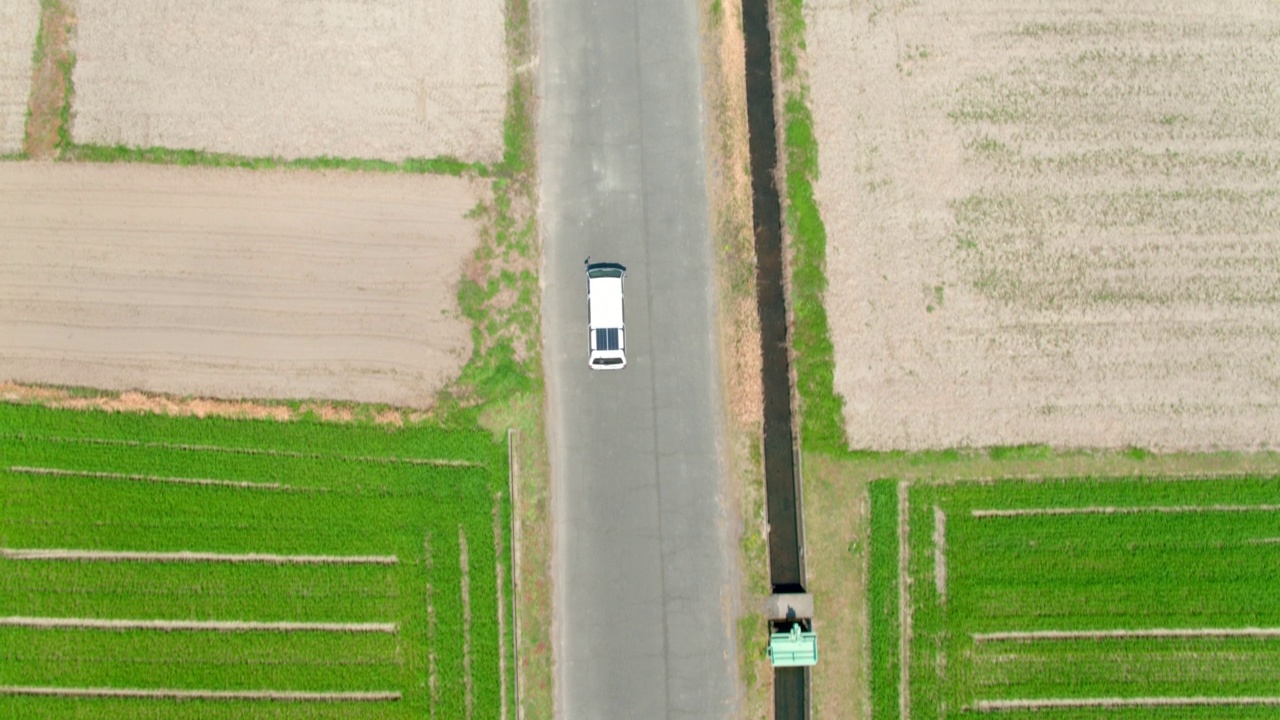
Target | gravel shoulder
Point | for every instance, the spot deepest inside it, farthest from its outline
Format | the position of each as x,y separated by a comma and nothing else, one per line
233,284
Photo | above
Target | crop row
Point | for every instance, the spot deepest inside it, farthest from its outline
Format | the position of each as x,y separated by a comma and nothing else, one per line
883,599
330,474
147,658
303,436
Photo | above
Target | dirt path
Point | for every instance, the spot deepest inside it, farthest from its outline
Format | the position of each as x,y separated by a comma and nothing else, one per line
223,283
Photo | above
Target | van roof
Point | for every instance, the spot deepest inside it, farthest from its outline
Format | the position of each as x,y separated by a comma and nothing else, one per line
606,301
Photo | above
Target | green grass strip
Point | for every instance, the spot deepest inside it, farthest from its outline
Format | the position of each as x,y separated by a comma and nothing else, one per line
821,409
883,600
201,158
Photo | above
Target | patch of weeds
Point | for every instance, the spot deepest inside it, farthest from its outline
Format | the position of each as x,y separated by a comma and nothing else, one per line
1020,452
821,409
48,115
790,41
201,158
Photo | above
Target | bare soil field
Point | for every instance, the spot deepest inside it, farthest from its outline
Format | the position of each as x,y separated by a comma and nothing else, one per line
228,283
1051,221
392,79
19,24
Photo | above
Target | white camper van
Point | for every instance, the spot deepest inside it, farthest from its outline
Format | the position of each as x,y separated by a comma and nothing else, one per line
605,329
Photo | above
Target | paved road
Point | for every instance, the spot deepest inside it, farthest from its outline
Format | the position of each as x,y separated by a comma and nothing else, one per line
644,592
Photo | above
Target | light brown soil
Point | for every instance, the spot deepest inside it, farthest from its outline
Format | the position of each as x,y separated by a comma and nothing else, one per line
167,694
19,24
390,80
1051,222
836,541
224,283
191,557
197,625
139,402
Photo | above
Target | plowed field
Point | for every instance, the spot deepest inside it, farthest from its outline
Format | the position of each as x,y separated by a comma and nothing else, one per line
228,283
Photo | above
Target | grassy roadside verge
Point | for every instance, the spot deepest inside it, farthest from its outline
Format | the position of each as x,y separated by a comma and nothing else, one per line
729,187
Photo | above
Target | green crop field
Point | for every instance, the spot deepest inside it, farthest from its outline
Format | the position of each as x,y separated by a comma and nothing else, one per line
335,571
1080,598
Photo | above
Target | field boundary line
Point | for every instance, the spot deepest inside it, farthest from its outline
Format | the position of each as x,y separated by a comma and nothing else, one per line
503,690
513,490
940,554
59,472
468,681
1098,474
433,684
513,482
196,625
1118,702
1033,635
387,460
904,603
175,694
1116,510
191,557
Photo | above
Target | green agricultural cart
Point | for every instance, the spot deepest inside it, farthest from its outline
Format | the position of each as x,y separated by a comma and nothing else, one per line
795,648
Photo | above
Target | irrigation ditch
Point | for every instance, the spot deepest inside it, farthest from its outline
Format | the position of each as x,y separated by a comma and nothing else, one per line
782,481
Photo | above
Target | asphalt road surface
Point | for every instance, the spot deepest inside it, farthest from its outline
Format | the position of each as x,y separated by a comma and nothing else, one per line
644,593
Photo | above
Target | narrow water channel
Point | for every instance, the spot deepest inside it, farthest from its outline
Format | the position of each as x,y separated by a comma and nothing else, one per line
786,560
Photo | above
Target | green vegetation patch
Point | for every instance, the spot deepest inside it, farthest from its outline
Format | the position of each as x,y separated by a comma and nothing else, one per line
821,409
1085,588
96,481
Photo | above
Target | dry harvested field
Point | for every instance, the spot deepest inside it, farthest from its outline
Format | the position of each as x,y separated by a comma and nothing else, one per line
19,23
229,283
1051,221
391,79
